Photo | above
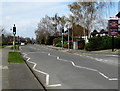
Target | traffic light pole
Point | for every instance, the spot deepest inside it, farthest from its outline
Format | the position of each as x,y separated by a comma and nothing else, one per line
14,32
62,40
62,36
68,40
14,42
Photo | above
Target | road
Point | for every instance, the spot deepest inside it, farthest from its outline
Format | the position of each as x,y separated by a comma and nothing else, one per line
63,70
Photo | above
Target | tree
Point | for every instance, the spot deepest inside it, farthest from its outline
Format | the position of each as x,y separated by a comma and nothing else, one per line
44,29
50,26
87,14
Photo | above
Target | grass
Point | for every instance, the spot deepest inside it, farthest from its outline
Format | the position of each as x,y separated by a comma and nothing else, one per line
15,57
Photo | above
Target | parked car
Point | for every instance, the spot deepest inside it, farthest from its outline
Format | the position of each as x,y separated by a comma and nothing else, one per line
22,43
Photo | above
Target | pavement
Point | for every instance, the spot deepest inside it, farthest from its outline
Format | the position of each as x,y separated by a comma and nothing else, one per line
106,56
60,69
107,52
17,75
0,69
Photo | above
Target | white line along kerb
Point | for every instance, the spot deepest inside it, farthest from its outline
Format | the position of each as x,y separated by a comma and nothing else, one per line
47,75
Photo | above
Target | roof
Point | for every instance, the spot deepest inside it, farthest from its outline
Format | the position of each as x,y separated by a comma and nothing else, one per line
118,15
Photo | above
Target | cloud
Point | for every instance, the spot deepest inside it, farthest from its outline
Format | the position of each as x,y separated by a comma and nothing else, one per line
37,0
27,15
1,14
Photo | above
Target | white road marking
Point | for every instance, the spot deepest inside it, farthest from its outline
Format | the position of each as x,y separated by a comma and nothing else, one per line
58,58
47,75
89,69
20,48
97,59
3,67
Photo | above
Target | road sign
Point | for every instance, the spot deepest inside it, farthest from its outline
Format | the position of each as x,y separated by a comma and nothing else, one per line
113,32
113,27
119,25
113,23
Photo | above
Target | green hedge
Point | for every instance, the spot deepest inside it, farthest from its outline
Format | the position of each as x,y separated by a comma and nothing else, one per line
101,43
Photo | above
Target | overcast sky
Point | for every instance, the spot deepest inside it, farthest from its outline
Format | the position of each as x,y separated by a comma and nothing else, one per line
26,15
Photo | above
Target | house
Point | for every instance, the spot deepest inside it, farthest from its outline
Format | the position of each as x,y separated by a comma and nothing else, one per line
101,33
118,15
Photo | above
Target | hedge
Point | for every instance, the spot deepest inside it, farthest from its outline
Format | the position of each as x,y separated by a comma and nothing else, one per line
102,43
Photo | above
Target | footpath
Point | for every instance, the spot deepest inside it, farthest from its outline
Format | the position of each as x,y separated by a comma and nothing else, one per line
106,56
100,53
17,75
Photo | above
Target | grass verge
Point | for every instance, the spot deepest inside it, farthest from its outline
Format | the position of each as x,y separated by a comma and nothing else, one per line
15,57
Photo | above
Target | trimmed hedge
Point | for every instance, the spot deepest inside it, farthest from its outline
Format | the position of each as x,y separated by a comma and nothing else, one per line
102,43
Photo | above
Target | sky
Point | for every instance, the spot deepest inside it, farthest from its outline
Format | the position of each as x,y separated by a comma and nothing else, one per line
26,15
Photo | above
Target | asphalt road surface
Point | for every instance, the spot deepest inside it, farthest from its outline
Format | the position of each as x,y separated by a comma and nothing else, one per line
63,70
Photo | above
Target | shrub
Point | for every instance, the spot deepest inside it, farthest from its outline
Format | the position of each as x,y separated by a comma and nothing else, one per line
100,43
106,43
81,43
59,44
94,44
65,44
50,39
56,41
